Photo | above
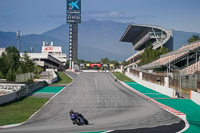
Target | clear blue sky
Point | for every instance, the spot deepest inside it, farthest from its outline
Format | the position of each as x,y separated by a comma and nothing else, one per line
38,16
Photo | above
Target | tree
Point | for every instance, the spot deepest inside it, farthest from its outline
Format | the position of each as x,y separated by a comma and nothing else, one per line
124,63
28,63
11,76
19,70
10,62
1,75
193,38
149,54
105,60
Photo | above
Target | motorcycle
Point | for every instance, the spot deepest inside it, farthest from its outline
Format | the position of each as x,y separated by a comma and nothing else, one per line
78,118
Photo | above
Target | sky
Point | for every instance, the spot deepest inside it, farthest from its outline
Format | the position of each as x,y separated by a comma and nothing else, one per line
38,16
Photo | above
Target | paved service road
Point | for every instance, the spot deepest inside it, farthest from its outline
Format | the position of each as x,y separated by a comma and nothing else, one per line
105,103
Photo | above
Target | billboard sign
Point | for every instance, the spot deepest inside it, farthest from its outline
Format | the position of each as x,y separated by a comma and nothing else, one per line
73,11
95,65
74,6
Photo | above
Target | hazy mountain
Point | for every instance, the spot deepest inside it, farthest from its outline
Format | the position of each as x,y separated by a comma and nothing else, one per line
103,36
27,41
181,37
97,39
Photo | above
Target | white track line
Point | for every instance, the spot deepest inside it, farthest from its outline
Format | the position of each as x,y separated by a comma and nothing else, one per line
108,131
95,80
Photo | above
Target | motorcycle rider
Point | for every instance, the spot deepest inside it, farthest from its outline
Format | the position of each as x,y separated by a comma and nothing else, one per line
72,113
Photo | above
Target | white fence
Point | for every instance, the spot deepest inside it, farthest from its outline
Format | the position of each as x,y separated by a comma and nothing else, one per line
50,78
24,77
195,96
159,88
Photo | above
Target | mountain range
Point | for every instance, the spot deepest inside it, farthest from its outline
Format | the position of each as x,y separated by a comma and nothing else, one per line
96,40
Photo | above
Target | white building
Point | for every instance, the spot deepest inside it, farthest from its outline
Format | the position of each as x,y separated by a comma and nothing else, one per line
55,51
2,50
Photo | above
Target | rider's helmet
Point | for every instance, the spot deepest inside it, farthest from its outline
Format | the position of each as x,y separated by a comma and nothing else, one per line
71,112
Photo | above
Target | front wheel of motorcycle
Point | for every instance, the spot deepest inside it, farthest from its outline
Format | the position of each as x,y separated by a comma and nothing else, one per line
86,122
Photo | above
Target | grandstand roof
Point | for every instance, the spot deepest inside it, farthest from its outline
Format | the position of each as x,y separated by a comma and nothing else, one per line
139,34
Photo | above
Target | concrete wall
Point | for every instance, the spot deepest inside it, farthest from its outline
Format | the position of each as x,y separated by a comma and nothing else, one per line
55,77
118,70
49,80
195,96
161,89
19,93
7,98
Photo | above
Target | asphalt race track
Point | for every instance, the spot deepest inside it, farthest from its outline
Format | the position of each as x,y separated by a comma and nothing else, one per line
105,103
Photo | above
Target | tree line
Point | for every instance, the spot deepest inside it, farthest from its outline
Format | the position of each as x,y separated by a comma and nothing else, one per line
12,64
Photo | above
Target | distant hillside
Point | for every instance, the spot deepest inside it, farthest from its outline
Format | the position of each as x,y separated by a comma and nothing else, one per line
27,41
101,35
181,37
97,39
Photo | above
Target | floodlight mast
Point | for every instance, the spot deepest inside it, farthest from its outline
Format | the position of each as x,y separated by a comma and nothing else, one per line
19,35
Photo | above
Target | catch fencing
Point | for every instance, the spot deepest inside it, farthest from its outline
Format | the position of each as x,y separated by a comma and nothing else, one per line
24,77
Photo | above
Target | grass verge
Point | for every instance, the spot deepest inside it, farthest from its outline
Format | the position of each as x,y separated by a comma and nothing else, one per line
122,77
20,110
63,79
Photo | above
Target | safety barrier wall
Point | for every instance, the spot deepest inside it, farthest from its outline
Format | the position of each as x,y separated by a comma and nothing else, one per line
29,88
19,93
55,77
157,79
24,77
195,96
118,70
159,88
7,98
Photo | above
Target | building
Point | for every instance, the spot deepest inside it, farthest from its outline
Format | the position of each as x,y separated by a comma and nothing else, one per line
55,51
141,35
50,57
2,50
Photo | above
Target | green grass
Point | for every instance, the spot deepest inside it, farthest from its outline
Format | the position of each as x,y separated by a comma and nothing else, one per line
63,79
20,110
122,77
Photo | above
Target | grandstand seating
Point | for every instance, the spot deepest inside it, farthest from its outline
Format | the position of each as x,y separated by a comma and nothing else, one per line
192,68
169,57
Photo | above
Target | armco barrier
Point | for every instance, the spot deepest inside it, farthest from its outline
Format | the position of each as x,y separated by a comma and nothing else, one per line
195,96
159,88
7,98
21,92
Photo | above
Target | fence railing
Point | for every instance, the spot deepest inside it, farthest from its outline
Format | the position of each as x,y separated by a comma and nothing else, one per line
17,91
24,77
189,82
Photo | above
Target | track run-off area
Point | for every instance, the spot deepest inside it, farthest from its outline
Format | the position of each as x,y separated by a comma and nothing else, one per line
108,106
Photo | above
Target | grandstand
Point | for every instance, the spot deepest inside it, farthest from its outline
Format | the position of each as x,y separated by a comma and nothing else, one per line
45,60
185,59
141,35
